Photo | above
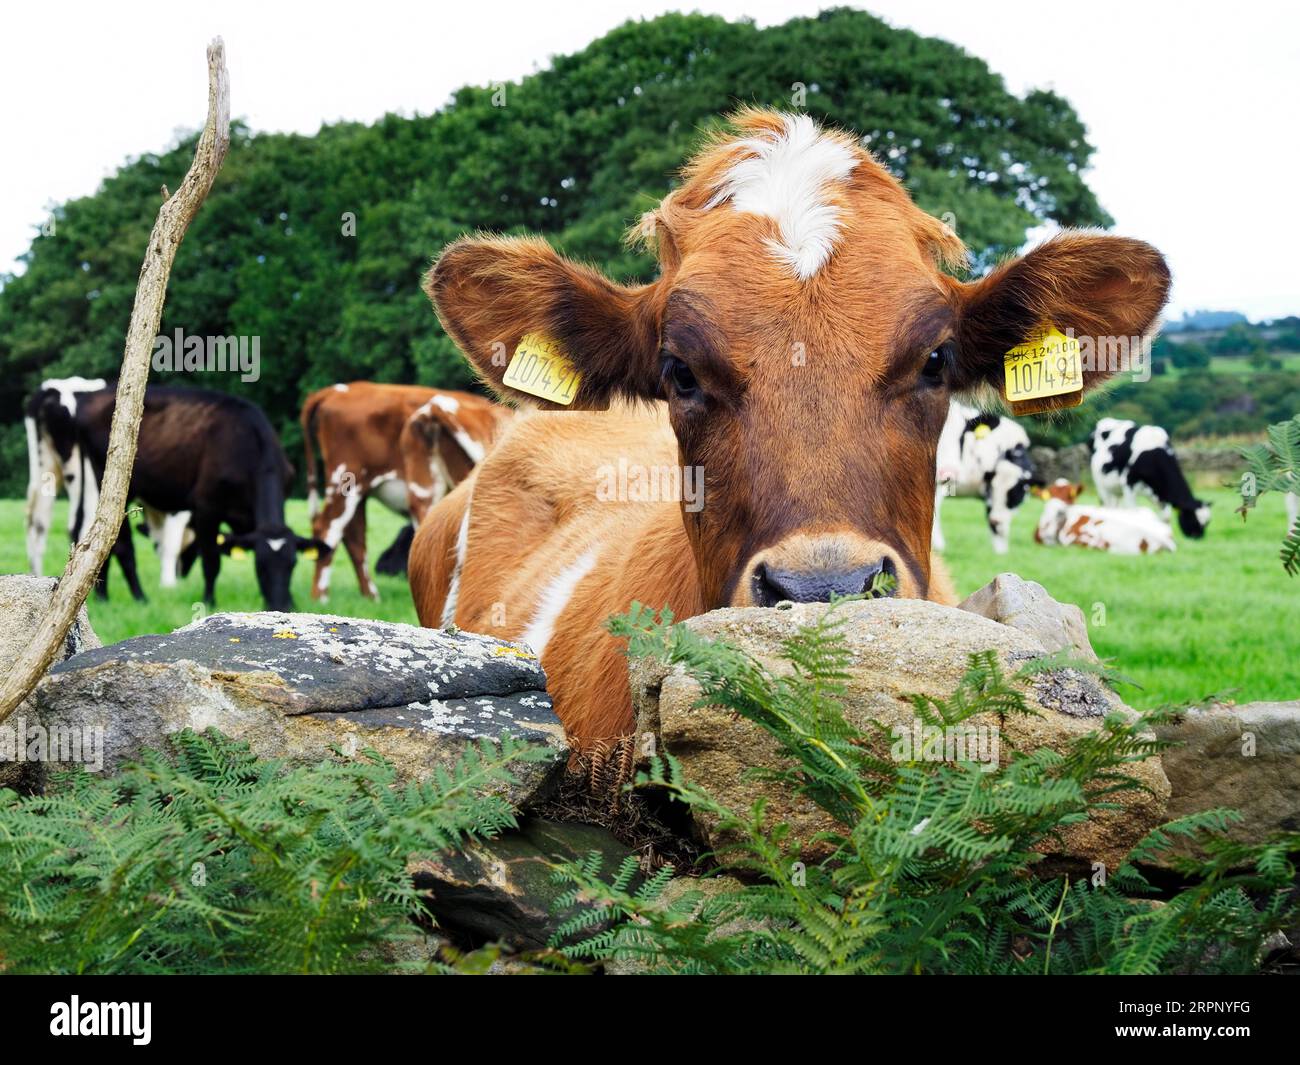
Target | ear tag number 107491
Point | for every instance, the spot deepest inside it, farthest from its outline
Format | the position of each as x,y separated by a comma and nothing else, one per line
541,369
1044,367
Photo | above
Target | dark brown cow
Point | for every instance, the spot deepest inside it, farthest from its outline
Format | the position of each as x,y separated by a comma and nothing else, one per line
799,349
361,430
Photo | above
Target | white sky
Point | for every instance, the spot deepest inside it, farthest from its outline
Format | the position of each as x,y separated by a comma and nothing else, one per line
1192,106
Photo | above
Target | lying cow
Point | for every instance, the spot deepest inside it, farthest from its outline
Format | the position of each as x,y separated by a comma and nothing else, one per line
56,460
367,449
798,349
1128,458
1121,531
984,455
216,456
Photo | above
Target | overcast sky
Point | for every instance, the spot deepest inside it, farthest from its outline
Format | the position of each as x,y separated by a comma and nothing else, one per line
1192,106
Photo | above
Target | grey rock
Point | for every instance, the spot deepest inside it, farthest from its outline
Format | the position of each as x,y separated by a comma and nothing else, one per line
674,892
24,602
897,647
1025,605
1245,757
296,686
501,890
1069,462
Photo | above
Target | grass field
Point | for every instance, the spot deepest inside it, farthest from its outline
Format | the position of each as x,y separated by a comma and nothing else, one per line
1217,616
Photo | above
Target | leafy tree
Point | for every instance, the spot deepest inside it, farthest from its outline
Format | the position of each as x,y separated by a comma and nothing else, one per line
1237,339
579,150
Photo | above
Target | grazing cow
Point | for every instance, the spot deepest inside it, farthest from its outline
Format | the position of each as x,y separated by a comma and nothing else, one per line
55,459
1128,458
1121,531
803,341
216,456
984,455
369,448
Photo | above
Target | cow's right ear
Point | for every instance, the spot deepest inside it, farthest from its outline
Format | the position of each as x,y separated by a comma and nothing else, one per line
491,292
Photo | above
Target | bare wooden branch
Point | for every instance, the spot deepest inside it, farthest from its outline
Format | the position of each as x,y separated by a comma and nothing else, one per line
89,555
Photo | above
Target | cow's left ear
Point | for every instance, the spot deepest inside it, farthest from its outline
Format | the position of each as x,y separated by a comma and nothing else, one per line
306,543
492,292
243,541
1092,284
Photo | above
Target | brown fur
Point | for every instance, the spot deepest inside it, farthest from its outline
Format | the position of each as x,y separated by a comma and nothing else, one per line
812,422
363,429
433,456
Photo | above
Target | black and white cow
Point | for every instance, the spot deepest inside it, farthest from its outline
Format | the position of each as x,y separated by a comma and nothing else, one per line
984,455
216,456
55,460
1128,458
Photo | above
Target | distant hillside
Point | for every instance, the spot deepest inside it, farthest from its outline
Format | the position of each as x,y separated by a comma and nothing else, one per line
1199,320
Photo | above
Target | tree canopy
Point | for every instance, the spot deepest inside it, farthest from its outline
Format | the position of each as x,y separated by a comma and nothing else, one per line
315,244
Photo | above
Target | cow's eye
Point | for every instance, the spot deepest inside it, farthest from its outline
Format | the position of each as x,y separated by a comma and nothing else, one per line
679,376
935,370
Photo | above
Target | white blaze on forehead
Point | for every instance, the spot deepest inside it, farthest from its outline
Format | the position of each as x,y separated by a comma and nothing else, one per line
784,177
448,403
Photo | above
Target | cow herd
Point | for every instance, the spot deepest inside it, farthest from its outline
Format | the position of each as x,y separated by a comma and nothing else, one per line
987,456
801,345
210,476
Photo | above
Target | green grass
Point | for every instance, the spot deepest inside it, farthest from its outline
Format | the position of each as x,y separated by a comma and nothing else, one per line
1217,616
169,608
1240,364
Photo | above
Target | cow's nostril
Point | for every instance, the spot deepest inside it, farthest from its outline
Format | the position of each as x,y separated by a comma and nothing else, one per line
772,585
882,581
768,590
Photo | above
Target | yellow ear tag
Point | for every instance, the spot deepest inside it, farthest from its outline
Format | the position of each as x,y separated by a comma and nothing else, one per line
1046,365
982,430
541,369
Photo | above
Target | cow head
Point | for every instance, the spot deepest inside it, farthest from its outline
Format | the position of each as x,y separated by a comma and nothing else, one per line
806,339
1193,520
1060,489
275,551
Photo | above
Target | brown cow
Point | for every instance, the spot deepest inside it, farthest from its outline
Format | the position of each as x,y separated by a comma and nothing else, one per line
443,441
805,341
360,429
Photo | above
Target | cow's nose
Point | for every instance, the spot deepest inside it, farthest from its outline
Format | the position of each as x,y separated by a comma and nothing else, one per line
773,585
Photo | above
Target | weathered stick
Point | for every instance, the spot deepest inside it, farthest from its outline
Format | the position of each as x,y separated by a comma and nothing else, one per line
89,555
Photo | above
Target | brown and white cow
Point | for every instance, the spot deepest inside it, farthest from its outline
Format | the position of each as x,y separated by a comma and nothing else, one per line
798,350
443,441
361,431
1120,531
